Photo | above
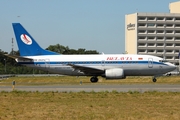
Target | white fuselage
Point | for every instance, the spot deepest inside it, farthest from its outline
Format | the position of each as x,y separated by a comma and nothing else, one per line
133,65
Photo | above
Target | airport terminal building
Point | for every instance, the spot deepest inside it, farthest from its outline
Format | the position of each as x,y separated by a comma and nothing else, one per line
154,33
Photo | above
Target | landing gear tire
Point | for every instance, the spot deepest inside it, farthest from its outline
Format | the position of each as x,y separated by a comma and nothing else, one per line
94,79
154,80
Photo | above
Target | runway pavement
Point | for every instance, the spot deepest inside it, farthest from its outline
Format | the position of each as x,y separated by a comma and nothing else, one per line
97,88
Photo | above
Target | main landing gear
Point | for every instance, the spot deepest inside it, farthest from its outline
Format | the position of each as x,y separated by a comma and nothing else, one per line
94,79
154,79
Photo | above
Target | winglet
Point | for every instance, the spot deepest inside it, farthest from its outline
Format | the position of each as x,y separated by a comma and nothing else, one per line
27,44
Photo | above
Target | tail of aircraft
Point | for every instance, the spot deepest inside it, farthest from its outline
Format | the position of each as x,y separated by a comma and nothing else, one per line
26,44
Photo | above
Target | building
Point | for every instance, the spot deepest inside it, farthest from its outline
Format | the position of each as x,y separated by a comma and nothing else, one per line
154,33
174,7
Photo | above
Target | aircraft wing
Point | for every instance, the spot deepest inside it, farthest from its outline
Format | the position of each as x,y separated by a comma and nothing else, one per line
87,70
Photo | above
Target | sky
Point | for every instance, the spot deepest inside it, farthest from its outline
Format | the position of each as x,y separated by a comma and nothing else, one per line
89,24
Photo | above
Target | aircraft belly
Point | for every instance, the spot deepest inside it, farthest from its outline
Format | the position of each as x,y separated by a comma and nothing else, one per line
66,71
142,70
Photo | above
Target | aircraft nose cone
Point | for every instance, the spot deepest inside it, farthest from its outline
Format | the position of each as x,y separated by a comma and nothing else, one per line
173,67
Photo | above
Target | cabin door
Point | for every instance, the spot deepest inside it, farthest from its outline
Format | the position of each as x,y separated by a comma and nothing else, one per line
47,63
150,63
103,63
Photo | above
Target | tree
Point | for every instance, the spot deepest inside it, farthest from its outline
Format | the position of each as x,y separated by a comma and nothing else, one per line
65,50
58,48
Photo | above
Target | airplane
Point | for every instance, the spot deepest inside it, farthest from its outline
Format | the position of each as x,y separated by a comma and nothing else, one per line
109,66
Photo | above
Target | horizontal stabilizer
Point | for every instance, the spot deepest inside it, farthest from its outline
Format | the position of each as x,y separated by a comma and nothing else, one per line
17,57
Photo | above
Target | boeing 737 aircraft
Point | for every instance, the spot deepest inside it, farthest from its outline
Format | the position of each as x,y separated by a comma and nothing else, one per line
110,66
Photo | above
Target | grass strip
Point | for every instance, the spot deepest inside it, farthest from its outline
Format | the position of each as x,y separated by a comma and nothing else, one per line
20,105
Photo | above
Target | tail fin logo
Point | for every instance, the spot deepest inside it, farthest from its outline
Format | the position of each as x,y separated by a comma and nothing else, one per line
26,39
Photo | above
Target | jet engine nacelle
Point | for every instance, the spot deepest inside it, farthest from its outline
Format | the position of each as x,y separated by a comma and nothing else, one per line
116,73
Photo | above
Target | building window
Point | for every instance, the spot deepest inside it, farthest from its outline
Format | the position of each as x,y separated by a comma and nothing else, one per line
177,38
169,32
151,38
151,31
160,31
160,25
177,18
159,51
177,45
177,31
169,38
169,57
141,25
177,51
141,18
176,57
142,45
151,19
151,45
142,51
169,51
160,19
160,44
169,25
169,19
142,38
177,25
151,25
169,45
160,38
142,31
151,51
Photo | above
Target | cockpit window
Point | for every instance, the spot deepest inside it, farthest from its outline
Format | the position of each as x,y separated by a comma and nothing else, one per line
163,61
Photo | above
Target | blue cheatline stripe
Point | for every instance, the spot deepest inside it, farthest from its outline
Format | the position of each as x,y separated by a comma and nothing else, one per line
95,62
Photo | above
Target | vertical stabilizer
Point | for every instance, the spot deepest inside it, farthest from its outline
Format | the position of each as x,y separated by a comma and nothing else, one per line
26,43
